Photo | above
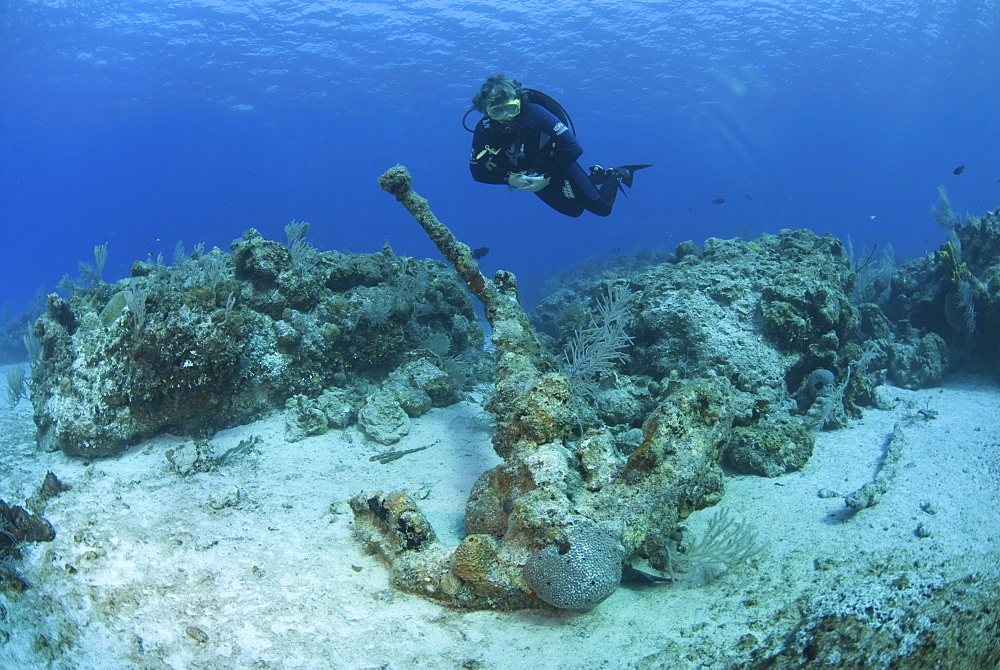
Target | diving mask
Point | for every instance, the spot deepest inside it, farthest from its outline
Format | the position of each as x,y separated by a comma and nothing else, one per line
504,111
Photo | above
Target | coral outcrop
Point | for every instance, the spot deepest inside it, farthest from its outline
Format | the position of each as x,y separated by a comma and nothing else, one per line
734,354
219,339
945,307
553,523
765,315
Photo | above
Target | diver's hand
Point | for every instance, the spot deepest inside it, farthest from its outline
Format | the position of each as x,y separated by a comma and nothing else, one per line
528,182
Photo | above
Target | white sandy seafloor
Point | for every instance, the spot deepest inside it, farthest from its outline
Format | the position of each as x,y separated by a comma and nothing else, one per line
152,569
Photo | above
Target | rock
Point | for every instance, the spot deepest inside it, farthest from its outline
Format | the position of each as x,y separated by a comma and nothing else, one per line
304,417
224,496
220,339
18,525
919,362
191,457
770,449
382,419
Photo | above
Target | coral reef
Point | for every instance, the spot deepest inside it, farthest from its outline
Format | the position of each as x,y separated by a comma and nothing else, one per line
766,315
568,511
734,353
219,339
945,307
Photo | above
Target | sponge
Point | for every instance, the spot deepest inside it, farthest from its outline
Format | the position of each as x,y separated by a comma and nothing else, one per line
579,574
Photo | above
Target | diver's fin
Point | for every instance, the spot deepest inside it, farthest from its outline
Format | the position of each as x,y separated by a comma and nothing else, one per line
626,172
598,175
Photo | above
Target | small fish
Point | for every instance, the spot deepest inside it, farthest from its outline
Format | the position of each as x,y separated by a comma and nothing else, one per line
748,196
959,170
480,252
719,201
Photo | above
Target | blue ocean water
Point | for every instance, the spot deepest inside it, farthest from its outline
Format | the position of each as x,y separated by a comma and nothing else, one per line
140,123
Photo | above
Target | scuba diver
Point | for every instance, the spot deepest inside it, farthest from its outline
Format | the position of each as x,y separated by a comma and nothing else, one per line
527,141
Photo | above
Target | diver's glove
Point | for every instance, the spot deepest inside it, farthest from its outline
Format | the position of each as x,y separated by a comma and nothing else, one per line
528,182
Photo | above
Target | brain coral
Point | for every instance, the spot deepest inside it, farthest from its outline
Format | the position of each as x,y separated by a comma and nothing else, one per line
580,577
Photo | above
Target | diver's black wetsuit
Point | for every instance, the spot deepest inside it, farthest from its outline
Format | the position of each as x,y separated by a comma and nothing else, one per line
537,141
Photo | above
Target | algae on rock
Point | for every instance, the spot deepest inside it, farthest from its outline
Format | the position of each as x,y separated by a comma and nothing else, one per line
220,339
764,314
736,351
945,307
583,498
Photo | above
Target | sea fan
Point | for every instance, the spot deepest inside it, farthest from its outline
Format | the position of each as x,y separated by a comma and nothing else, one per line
594,350
965,297
727,542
